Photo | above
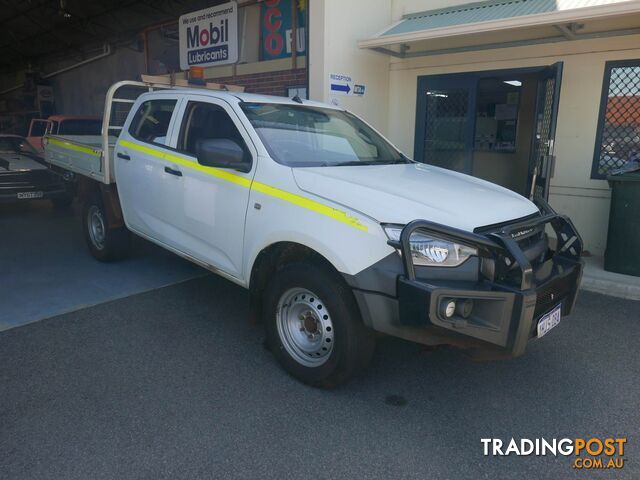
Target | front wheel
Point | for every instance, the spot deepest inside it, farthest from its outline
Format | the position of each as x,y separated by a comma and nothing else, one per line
105,242
314,327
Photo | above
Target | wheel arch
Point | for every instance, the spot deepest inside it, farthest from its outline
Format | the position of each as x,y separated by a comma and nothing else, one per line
88,187
275,256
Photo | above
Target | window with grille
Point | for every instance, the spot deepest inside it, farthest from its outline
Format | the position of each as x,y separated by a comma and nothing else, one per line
618,134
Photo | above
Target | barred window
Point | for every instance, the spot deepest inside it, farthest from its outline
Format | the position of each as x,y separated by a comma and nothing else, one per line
618,134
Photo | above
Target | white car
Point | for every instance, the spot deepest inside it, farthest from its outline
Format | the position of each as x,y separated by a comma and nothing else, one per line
335,233
24,176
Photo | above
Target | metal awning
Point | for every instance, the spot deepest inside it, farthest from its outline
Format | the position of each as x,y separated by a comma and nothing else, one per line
505,23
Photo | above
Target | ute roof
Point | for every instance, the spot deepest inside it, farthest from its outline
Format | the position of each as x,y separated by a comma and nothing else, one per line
237,97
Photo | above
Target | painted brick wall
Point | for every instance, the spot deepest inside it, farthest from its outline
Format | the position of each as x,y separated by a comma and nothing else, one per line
270,83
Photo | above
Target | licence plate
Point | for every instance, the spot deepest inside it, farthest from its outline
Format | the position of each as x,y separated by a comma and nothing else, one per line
549,321
28,195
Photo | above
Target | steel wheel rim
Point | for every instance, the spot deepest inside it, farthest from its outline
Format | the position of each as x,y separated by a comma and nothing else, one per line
97,228
305,327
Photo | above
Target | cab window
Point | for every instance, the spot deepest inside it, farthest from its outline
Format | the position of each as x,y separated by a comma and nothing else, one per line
205,121
151,122
80,127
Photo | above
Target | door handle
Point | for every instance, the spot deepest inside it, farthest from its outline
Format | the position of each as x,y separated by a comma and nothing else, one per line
123,156
171,171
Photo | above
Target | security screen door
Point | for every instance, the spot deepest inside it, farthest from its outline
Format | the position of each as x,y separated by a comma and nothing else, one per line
542,157
448,108
445,129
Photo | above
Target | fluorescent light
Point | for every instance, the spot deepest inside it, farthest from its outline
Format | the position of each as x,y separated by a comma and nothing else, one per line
437,94
515,83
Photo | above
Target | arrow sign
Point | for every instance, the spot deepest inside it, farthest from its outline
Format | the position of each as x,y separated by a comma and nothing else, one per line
341,87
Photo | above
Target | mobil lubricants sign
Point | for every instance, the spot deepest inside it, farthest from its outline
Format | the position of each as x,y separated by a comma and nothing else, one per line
209,37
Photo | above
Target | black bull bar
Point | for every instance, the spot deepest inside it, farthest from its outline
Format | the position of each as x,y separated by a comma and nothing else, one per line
517,292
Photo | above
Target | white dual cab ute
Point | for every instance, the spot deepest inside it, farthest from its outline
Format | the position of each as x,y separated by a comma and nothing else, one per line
335,233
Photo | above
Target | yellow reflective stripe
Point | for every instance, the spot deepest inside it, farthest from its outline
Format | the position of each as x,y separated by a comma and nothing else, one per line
309,204
171,157
298,200
73,146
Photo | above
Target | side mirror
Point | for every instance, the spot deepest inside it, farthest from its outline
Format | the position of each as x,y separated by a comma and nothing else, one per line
222,153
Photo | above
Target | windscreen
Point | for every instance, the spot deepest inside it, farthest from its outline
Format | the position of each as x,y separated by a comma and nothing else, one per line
306,136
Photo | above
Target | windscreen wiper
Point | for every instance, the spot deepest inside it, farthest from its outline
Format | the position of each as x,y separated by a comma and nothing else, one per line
357,163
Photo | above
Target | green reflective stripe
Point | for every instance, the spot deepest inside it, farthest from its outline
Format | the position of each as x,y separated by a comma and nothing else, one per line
274,192
74,147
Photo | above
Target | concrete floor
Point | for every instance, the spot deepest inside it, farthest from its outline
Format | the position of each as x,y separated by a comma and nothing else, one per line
175,383
46,269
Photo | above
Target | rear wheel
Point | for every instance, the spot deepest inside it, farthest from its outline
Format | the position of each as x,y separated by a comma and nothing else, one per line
313,326
105,243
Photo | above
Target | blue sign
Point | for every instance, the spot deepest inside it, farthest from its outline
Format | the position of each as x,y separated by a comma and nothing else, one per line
340,87
344,85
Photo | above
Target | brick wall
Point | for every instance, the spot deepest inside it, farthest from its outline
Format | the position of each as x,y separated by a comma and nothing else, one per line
270,83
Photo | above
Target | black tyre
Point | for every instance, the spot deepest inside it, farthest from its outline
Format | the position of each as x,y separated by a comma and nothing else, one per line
105,243
313,326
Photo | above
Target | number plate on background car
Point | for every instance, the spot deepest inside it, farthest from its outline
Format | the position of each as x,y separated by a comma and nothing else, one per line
27,195
549,321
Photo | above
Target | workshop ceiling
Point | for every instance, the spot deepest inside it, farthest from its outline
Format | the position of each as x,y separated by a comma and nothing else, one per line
37,31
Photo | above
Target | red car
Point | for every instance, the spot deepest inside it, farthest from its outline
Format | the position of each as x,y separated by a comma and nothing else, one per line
62,125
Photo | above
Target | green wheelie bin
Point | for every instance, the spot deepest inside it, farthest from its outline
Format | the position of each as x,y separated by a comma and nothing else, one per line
623,239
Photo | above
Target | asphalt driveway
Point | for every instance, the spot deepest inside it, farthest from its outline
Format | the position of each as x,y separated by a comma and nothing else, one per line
176,383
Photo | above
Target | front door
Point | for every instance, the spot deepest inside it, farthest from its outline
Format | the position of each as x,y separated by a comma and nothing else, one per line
208,206
498,125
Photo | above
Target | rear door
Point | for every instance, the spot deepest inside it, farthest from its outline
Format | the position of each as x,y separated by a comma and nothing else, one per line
140,168
208,206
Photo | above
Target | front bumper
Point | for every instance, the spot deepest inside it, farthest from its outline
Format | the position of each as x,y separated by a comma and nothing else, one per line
508,299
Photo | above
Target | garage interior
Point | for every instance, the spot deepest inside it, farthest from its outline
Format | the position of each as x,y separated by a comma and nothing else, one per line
59,57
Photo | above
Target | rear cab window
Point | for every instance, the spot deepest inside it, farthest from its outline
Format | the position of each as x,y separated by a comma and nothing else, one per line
80,127
151,122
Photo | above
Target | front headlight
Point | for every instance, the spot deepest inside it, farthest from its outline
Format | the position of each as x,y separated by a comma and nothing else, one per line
430,251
